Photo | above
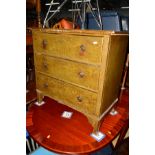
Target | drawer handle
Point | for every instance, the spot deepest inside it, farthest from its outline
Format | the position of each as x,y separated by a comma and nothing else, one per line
44,42
82,49
81,74
45,85
79,98
45,65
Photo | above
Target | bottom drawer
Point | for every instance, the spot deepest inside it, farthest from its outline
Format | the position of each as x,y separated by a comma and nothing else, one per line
73,96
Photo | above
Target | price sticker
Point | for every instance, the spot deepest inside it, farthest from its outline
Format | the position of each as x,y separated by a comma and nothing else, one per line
67,114
98,136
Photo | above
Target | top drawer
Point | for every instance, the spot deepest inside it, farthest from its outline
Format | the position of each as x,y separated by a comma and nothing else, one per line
80,48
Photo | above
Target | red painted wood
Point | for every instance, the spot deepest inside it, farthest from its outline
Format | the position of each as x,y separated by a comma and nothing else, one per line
72,136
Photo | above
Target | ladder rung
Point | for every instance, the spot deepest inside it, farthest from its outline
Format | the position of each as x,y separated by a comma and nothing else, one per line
74,10
80,1
94,8
52,3
54,11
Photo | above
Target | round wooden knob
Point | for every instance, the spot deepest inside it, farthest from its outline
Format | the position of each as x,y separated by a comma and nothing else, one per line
45,85
45,65
82,48
44,42
79,98
81,74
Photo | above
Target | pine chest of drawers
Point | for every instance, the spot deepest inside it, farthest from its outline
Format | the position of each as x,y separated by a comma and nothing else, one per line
80,68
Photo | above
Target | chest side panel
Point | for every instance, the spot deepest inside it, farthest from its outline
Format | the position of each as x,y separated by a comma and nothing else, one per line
114,69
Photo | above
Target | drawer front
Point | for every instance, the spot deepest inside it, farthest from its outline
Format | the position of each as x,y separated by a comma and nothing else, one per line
81,48
66,93
77,73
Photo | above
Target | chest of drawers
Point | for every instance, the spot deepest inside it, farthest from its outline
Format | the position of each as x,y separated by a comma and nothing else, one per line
80,68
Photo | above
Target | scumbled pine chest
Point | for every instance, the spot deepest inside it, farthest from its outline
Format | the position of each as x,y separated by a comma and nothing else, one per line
80,68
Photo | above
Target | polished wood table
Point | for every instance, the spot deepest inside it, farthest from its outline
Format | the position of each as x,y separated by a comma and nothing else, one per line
72,136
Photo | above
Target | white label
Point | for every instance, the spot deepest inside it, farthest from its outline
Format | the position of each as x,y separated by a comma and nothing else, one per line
98,136
67,114
113,112
39,104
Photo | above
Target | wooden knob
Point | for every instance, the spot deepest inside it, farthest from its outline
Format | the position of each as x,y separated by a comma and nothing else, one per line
45,85
45,65
82,48
44,43
79,98
81,74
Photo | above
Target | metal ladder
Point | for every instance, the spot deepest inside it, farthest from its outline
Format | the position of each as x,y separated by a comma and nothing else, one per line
79,8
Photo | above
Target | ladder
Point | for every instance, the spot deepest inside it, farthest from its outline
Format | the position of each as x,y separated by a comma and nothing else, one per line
79,9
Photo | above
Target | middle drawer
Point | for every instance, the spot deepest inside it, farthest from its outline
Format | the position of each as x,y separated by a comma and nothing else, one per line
84,75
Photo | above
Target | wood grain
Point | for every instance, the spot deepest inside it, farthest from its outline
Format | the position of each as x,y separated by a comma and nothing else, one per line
67,94
77,73
72,136
69,46
61,55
